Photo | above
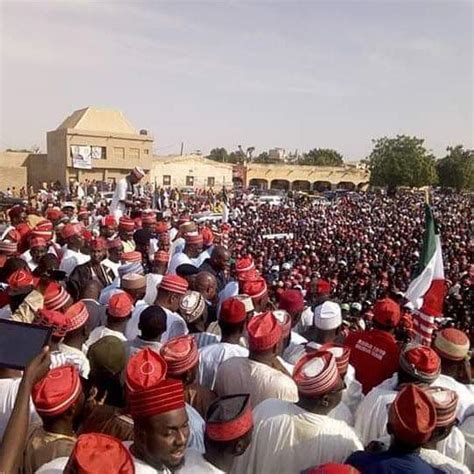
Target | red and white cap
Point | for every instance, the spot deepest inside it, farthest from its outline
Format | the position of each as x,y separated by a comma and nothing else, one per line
316,374
76,316
244,264
58,391
55,296
138,172
161,257
19,280
109,221
445,402
127,224
149,392
8,248
132,256
341,353
194,239
174,284
452,344
43,229
70,230
255,288
264,332
180,354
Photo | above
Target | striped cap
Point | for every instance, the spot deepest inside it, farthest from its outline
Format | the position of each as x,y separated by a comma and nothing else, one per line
8,248
138,172
194,239
114,243
149,218
420,362
445,402
180,354
43,229
316,374
161,227
341,353
109,221
452,344
126,223
174,284
149,392
70,230
132,256
55,296
58,391
76,316
161,257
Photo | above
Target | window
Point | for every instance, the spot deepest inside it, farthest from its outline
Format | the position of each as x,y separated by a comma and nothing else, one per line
134,153
189,180
98,152
211,181
146,151
119,152
166,180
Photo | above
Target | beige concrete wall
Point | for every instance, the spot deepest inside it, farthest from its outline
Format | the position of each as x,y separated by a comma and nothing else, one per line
57,155
310,174
37,170
178,168
12,177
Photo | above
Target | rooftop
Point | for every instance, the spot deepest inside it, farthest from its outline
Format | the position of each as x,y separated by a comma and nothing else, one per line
104,120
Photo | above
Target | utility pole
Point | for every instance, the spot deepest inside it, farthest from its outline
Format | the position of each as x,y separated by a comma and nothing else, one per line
182,148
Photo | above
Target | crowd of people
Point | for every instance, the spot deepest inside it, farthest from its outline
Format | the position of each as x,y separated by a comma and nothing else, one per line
274,340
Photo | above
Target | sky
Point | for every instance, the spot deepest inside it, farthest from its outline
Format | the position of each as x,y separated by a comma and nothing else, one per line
290,74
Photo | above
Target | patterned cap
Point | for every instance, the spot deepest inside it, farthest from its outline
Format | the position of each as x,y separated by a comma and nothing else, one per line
420,362
284,320
125,223
341,353
244,264
133,256
55,320
70,230
232,311
445,402
55,296
452,344
180,354
174,284
192,306
19,281
316,374
149,392
263,332
58,391
76,316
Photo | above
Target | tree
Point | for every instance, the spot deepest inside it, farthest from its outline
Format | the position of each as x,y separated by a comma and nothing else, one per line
236,157
456,169
262,158
322,157
401,161
218,154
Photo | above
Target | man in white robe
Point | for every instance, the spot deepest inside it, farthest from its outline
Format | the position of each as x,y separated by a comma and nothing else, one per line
291,437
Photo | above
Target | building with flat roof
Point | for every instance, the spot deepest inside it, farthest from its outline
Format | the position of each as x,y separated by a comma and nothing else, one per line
192,171
98,144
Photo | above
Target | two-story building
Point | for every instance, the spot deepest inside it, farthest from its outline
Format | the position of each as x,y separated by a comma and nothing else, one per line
98,144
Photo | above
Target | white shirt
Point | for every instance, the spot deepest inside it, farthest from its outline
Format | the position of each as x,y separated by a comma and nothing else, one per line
372,416
177,260
259,380
100,332
56,466
288,439
153,280
467,428
194,463
442,462
8,393
26,256
118,208
175,324
77,358
71,259
212,356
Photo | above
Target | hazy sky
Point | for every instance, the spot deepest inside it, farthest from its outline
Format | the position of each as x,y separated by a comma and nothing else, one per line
291,74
